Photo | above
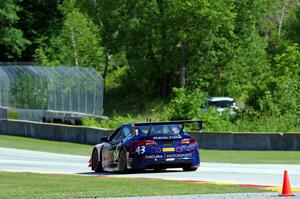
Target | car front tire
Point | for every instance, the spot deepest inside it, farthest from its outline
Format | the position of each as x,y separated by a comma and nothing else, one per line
96,165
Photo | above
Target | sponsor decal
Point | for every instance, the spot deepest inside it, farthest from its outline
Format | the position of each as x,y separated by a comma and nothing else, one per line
179,149
116,152
170,137
169,157
140,150
182,155
107,157
158,150
154,156
168,149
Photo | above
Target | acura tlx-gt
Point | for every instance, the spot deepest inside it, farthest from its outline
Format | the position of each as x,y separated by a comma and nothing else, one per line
147,145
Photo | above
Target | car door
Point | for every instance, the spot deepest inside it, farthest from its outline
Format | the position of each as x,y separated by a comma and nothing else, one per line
118,142
108,151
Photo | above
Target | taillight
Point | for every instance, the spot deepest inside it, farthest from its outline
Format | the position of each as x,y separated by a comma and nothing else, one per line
188,141
144,143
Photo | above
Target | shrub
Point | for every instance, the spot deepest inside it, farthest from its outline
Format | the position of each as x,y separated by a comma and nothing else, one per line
184,105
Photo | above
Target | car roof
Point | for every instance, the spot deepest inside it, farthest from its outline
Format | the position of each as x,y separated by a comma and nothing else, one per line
214,99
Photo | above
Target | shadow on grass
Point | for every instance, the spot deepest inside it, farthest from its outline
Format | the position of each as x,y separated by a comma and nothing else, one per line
150,171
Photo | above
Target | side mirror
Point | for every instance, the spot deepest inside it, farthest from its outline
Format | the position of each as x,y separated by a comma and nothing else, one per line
104,139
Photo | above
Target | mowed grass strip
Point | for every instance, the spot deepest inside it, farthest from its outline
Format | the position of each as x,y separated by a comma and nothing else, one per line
45,145
251,157
29,185
224,156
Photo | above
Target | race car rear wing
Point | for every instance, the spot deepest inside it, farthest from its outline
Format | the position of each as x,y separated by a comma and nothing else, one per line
182,122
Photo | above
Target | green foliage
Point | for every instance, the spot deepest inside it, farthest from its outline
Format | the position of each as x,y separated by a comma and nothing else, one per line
52,53
184,105
12,114
284,96
144,48
77,44
12,42
112,122
114,79
245,75
293,26
39,20
268,123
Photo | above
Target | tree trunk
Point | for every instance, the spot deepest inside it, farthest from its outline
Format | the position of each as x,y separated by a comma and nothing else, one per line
166,85
182,64
281,19
105,68
74,46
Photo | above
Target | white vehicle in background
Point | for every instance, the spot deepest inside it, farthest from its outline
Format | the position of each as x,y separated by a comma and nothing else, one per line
222,105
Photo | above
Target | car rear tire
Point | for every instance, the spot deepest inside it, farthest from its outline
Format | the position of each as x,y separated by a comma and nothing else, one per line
189,168
96,165
122,162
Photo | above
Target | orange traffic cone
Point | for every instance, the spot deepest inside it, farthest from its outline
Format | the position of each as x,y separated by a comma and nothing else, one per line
286,188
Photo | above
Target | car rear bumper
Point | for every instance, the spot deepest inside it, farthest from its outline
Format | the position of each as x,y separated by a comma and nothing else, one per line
163,161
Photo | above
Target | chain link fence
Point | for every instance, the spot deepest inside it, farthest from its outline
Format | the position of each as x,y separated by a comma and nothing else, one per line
35,93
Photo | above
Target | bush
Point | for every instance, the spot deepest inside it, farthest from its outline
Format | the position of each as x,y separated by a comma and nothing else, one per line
112,122
184,105
187,106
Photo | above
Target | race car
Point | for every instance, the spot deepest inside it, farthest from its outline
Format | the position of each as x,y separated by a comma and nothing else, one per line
147,145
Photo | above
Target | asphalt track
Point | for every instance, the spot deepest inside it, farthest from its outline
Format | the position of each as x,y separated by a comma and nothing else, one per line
250,174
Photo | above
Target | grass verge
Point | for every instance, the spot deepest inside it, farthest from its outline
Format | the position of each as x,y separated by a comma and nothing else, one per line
251,157
226,156
29,185
44,145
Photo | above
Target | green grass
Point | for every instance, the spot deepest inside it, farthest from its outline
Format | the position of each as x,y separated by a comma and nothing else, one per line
44,145
226,156
251,157
28,185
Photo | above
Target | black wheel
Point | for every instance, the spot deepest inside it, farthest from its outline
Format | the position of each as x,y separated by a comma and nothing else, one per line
189,168
96,165
122,162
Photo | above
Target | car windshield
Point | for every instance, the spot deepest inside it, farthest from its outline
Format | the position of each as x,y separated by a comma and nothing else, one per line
158,129
222,104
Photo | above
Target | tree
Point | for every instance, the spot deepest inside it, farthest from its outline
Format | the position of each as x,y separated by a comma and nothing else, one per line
77,44
247,72
286,93
39,20
12,42
293,31
163,40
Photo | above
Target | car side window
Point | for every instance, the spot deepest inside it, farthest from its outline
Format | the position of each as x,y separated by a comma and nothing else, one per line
114,135
126,132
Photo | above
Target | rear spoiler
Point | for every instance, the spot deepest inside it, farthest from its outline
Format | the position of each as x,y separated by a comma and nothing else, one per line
183,122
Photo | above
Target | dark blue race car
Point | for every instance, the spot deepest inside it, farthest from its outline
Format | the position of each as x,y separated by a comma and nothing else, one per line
147,145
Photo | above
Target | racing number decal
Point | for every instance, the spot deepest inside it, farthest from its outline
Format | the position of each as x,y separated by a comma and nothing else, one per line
140,149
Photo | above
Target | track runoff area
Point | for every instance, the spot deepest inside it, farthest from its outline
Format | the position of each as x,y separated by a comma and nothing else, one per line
265,176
